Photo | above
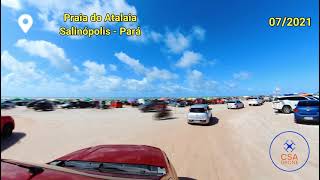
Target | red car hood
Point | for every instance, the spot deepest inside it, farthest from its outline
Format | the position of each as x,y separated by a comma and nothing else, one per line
128,154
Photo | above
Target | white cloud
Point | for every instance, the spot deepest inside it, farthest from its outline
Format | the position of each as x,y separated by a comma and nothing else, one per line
94,69
198,32
20,70
137,85
14,4
146,36
102,83
150,73
133,63
155,73
113,67
230,84
47,50
176,42
241,75
197,82
188,59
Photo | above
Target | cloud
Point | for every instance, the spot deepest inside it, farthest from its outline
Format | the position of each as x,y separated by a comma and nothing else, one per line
146,36
137,85
21,70
176,42
197,82
198,32
94,69
155,73
230,84
47,50
14,4
50,11
241,75
113,67
150,73
20,78
188,59
131,62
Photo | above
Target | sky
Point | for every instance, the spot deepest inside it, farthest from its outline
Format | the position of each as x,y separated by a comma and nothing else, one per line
206,48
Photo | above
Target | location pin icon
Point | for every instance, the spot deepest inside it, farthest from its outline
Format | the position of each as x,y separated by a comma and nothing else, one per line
25,22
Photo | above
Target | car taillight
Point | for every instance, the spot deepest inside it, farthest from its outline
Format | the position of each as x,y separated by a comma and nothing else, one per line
296,110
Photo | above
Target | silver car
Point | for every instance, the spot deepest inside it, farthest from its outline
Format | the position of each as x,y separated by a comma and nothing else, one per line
236,104
199,114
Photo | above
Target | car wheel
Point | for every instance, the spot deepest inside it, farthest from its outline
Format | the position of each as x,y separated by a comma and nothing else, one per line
286,109
7,130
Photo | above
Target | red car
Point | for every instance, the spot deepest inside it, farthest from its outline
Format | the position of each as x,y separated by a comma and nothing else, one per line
7,125
116,104
99,162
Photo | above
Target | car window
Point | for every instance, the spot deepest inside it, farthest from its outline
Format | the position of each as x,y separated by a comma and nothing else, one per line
308,103
197,110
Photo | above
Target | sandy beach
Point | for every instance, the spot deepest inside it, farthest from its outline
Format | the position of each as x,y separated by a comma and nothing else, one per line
234,146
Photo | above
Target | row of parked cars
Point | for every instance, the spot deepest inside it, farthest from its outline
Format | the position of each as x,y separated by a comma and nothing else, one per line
305,108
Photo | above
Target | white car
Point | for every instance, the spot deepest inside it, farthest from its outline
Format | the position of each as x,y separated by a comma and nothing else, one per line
255,101
199,114
286,104
236,104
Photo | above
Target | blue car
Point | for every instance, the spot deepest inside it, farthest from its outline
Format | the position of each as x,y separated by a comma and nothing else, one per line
307,111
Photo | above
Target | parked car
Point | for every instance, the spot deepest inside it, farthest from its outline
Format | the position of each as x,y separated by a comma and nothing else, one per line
286,104
236,104
85,104
199,101
218,101
7,104
21,103
181,104
153,106
267,99
32,103
307,111
7,126
69,105
199,114
116,104
44,106
255,101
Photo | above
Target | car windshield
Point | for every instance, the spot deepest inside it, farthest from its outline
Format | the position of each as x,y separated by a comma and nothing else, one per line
231,101
308,103
253,98
117,168
197,110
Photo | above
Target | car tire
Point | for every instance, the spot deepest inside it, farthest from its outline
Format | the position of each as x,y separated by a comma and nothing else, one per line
286,109
7,130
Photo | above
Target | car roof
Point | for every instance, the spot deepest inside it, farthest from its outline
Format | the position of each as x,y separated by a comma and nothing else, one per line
199,106
127,154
